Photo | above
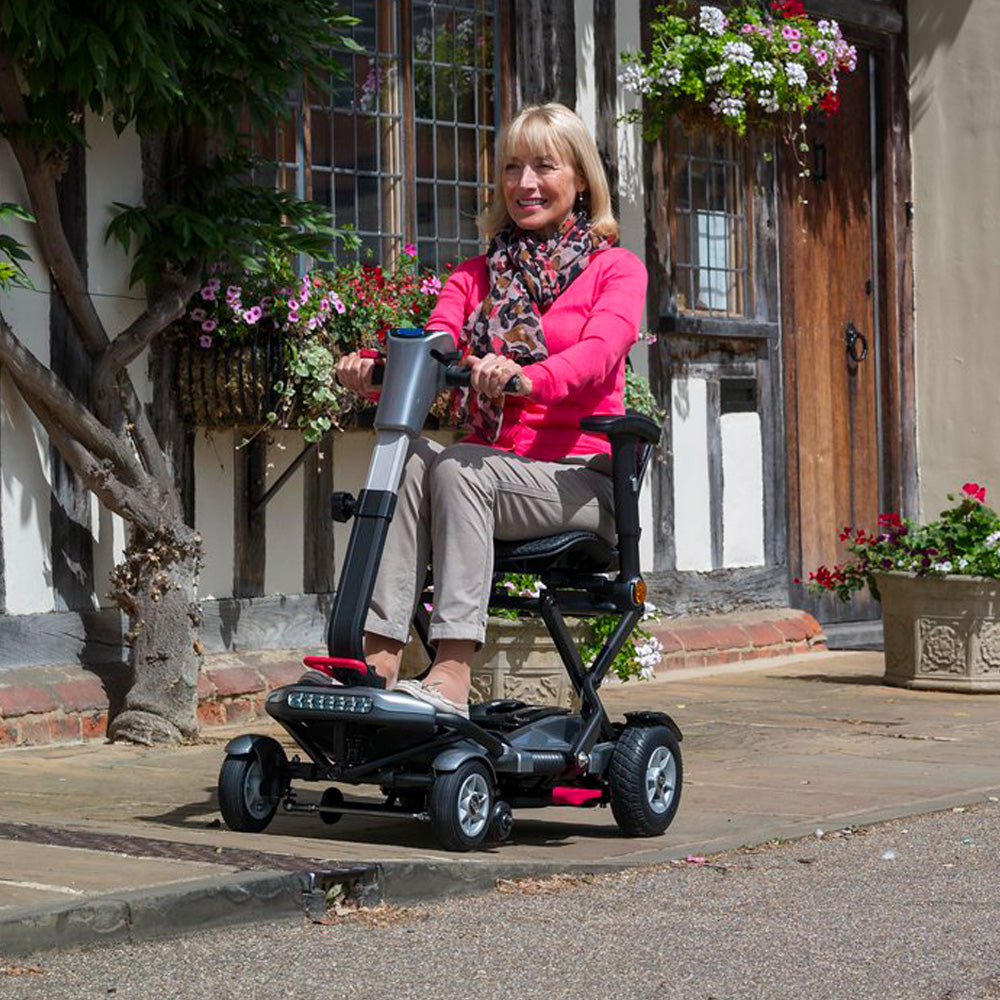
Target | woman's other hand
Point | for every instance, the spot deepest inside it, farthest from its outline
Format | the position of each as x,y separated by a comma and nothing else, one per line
354,373
492,372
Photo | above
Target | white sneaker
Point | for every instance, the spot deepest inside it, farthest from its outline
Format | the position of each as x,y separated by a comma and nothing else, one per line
430,694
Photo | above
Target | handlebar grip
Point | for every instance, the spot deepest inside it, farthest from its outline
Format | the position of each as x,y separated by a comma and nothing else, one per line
456,375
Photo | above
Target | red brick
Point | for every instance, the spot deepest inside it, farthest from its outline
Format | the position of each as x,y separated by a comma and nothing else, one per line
792,629
669,639
729,636
728,656
8,735
813,627
800,647
235,680
22,700
94,724
79,695
206,689
239,710
64,727
211,713
696,637
697,660
278,675
33,729
764,634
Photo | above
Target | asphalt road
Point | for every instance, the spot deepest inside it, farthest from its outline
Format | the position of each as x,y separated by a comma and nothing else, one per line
826,917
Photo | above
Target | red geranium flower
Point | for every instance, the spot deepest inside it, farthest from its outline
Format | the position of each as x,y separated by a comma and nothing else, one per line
788,8
830,103
975,491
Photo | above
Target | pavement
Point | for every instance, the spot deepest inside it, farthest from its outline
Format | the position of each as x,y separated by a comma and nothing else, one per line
110,843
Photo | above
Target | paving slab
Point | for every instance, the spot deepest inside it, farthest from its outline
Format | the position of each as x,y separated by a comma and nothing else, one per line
771,749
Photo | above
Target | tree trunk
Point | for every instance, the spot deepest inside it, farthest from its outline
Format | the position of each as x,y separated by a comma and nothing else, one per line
156,584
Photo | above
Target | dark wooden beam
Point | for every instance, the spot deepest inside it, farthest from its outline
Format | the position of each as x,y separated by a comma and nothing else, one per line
606,86
72,544
318,551
546,51
713,444
249,523
159,156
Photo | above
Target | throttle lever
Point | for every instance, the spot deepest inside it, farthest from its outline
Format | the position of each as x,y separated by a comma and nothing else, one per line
459,375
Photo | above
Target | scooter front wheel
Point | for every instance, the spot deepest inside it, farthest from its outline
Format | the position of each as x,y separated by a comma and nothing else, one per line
645,779
461,805
246,797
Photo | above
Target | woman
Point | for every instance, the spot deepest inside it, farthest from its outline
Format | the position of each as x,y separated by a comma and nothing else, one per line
557,303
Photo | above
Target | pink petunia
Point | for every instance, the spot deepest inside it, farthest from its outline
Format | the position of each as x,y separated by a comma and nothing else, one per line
748,29
794,46
293,317
252,315
820,55
233,292
208,294
293,305
205,340
209,326
410,250
197,315
788,32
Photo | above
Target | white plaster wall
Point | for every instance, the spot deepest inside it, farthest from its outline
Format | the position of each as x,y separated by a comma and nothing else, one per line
24,448
742,490
285,558
955,135
586,88
114,174
214,510
692,519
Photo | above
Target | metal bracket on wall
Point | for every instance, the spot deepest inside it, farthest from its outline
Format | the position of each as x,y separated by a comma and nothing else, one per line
265,498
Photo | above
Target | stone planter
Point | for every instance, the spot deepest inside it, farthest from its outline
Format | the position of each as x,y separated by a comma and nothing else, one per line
941,633
519,660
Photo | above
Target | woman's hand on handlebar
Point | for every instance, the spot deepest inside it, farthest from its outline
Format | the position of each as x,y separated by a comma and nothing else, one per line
354,373
492,372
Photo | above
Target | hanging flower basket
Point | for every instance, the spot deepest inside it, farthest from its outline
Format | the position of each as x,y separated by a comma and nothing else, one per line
230,384
759,66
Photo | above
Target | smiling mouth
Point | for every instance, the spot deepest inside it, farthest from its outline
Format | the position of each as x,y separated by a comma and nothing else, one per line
530,202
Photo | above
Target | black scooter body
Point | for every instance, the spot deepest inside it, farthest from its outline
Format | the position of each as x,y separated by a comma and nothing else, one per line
465,775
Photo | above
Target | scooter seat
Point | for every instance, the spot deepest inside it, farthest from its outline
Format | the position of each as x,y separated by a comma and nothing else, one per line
582,551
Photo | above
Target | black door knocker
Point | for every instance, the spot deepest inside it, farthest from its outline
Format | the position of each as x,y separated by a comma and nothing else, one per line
853,337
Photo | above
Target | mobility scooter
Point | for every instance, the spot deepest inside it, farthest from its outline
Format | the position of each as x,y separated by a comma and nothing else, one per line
466,776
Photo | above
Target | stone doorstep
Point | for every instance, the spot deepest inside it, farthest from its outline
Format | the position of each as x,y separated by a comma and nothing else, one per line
63,704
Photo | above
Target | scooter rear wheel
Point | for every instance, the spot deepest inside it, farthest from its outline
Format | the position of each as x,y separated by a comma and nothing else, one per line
246,797
644,780
461,805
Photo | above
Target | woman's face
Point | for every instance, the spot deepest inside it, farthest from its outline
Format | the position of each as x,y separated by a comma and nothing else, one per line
540,189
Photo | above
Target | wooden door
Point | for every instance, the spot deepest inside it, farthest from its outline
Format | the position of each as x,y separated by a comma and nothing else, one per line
831,294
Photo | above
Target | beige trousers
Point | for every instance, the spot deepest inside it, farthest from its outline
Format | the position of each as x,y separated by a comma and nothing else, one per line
452,503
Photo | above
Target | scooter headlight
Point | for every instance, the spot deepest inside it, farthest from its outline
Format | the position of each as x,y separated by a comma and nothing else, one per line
322,701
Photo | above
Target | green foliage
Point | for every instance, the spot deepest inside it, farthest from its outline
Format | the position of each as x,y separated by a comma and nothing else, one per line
204,68
639,396
168,64
12,253
964,540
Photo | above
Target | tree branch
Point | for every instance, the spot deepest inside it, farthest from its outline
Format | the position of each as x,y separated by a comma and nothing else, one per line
40,180
96,474
42,384
168,306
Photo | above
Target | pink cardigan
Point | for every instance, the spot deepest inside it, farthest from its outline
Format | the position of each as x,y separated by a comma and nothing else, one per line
588,329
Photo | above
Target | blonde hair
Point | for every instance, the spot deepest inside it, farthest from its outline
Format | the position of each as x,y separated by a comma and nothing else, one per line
552,128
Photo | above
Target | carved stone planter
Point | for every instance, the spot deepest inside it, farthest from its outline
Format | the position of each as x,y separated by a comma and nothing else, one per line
519,660
941,633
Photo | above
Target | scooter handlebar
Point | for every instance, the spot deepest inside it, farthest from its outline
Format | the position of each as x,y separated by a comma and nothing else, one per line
459,375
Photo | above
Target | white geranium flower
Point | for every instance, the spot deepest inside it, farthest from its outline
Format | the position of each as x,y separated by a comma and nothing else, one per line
763,71
712,20
739,53
796,74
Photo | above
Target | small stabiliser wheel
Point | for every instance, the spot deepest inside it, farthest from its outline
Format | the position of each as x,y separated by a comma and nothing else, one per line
247,792
644,780
331,797
461,805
